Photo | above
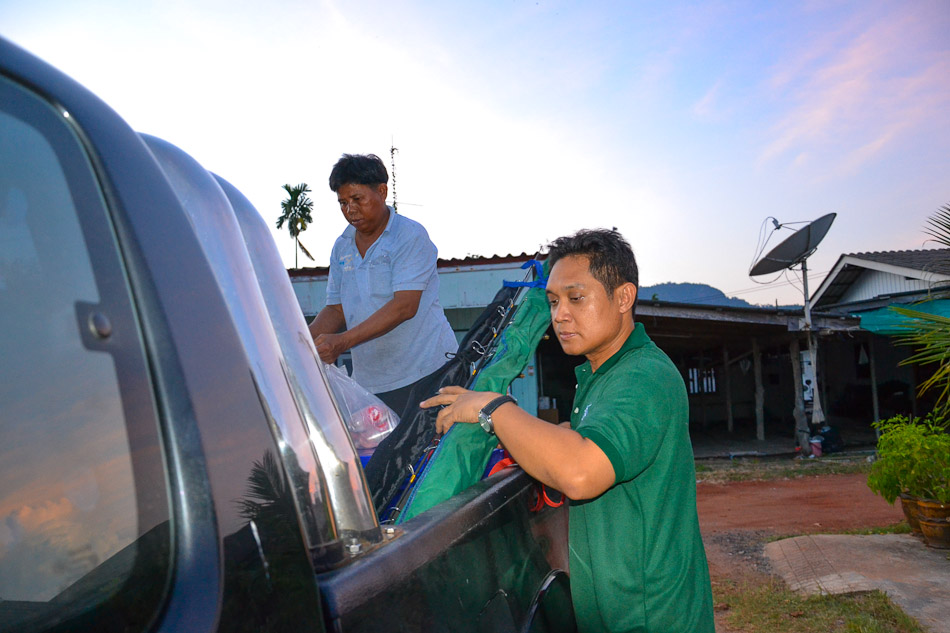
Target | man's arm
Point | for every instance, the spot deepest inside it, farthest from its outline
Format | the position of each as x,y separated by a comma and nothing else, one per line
553,454
330,344
330,320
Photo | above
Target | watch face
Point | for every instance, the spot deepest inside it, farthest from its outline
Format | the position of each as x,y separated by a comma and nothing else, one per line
485,422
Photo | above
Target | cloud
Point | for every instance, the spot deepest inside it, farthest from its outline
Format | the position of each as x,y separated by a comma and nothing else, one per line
34,549
859,91
706,106
32,518
69,525
518,123
46,547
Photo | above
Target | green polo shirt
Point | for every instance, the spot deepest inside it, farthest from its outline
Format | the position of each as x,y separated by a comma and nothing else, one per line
637,561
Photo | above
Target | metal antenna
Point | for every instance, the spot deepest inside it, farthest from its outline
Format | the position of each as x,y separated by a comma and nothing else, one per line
392,156
793,251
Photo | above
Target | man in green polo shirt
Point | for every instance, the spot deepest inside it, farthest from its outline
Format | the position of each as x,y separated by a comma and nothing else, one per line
625,461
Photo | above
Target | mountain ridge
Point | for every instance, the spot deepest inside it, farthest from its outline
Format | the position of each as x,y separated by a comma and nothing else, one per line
695,293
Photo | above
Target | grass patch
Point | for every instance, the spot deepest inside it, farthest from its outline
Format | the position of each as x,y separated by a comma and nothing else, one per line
901,527
770,606
765,469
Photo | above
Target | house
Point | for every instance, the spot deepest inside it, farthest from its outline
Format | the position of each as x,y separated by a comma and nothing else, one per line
863,283
865,286
741,365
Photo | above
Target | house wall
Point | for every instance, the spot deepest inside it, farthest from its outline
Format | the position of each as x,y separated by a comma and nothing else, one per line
708,411
464,291
844,383
874,283
311,294
847,364
460,288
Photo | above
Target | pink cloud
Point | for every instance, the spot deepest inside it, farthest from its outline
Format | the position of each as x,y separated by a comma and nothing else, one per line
30,518
858,100
706,106
46,547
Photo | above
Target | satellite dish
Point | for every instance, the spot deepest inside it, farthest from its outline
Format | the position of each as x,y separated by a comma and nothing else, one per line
794,250
796,247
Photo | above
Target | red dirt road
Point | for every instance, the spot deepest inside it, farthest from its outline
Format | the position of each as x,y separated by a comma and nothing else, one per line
736,518
823,503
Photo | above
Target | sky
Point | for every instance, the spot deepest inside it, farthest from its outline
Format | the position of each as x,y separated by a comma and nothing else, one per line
685,125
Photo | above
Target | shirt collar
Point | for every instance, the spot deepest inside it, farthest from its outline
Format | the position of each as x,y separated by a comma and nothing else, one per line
638,338
350,231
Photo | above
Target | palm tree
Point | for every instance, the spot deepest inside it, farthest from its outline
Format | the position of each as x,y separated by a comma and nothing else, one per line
296,213
939,228
268,495
930,333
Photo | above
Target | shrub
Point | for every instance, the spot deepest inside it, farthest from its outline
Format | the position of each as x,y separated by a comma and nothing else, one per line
913,458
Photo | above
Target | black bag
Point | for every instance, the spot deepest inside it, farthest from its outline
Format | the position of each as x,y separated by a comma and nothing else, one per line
396,456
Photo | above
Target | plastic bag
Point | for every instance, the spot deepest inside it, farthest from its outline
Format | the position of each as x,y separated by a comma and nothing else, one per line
367,419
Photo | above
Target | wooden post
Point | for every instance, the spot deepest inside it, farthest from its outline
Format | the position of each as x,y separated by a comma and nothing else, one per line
759,391
875,404
822,359
802,432
702,390
728,386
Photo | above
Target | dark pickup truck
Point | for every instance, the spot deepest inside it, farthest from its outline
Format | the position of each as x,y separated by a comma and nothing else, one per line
171,457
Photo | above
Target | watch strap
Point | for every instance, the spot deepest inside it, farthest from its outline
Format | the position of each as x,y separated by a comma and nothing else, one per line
489,408
484,415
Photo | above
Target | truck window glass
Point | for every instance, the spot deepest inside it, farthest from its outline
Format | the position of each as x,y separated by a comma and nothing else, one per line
84,529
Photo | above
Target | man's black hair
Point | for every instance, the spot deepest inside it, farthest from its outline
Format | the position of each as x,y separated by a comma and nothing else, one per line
358,169
611,259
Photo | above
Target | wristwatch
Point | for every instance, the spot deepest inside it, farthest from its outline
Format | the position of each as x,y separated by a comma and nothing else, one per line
484,416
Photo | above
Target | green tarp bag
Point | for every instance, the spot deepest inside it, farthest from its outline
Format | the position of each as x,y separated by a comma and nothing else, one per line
461,457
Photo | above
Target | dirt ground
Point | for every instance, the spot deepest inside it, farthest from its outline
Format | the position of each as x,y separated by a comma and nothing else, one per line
737,518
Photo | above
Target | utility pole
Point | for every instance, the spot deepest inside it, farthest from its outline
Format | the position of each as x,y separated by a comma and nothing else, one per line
817,414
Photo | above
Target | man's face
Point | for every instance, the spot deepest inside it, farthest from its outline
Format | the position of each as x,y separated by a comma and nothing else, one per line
586,320
364,207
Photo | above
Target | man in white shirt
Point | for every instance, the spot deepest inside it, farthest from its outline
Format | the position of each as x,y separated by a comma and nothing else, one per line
383,289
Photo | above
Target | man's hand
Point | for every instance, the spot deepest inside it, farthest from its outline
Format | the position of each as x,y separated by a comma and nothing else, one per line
460,405
553,454
330,346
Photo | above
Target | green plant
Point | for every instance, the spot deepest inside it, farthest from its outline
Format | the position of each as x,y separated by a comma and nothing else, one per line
892,472
915,454
913,458
935,466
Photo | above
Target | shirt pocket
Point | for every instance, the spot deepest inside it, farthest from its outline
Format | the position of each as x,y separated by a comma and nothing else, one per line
381,277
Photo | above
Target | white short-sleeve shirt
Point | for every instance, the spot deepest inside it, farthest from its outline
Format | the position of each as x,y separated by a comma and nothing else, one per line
402,258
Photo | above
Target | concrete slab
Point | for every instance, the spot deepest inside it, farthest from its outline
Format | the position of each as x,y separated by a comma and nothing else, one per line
914,576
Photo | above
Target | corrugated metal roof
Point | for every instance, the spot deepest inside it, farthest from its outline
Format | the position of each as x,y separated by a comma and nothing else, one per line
479,260
929,260
475,260
920,264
